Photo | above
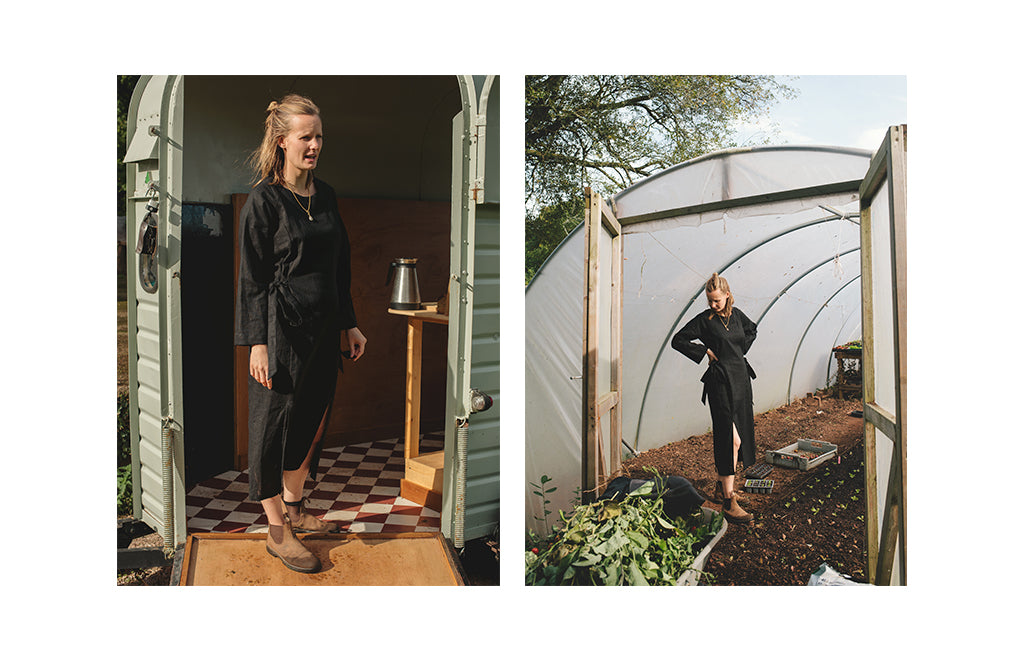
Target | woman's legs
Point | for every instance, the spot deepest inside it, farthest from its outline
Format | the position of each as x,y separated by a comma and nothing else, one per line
281,540
729,480
294,481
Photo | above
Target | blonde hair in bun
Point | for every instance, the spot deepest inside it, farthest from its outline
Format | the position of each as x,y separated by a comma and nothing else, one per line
267,161
717,283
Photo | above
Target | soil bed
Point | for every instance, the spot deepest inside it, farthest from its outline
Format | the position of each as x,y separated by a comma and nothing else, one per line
809,517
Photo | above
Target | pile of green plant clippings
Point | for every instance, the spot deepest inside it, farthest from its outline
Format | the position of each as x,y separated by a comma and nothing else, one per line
628,542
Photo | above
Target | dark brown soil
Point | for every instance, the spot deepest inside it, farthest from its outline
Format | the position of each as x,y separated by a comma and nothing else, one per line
809,518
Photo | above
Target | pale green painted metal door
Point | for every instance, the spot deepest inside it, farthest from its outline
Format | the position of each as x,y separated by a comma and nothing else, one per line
153,185
471,494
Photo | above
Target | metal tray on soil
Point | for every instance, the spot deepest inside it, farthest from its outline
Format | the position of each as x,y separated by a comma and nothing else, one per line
802,454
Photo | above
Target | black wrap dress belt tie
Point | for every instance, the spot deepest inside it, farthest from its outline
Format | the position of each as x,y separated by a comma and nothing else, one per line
717,375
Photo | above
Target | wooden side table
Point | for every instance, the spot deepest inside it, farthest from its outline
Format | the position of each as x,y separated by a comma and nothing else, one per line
845,385
423,472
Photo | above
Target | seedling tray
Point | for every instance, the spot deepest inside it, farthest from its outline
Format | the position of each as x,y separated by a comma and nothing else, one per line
759,486
802,454
758,471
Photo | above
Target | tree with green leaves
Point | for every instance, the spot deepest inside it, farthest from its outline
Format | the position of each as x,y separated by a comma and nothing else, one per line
125,88
609,132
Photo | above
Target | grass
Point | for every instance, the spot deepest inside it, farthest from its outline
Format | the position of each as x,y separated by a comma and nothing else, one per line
122,346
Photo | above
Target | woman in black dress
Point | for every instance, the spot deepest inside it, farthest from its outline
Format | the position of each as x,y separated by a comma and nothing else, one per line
295,313
725,335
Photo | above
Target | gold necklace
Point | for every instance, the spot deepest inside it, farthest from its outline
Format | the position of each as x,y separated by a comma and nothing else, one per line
724,323
310,205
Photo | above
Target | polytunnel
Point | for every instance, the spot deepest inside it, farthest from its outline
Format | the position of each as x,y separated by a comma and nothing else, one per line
780,223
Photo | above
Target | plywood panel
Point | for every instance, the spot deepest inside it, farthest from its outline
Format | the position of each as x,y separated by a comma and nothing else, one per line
413,559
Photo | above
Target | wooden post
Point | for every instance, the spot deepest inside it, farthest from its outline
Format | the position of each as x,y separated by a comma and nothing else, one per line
867,370
589,454
615,421
413,374
898,204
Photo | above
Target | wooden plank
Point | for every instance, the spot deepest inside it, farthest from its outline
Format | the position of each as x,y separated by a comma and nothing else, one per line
427,470
766,198
421,495
877,172
868,378
615,422
898,233
880,419
590,458
428,314
413,374
607,402
609,221
890,523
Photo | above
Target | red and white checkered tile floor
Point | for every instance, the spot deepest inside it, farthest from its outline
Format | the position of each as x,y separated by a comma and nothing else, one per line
356,486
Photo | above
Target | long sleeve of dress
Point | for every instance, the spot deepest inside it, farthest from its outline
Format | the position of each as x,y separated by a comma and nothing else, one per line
684,340
255,272
749,330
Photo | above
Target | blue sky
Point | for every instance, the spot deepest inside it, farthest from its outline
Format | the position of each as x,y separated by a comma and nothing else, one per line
846,111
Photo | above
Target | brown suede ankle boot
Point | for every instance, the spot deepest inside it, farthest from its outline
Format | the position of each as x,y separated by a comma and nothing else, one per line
283,544
307,522
720,494
733,513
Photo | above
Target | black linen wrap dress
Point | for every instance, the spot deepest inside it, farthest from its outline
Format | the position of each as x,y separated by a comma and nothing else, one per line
726,382
294,280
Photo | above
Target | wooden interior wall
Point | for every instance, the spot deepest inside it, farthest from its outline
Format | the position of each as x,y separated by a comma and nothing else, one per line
370,400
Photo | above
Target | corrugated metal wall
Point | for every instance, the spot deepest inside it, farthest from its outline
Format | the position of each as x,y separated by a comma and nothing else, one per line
474,328
482,464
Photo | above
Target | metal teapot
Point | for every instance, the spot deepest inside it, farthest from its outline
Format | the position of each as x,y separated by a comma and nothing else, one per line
406,291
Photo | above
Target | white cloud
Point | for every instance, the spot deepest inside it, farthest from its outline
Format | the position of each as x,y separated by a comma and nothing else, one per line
870,138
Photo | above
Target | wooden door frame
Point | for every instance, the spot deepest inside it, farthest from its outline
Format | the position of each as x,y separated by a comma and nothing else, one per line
599,217
886,537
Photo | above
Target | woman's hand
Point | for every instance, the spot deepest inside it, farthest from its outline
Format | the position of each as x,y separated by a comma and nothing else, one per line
711,356
356,343
259,365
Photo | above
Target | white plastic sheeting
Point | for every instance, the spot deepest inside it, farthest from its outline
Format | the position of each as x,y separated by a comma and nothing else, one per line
779,223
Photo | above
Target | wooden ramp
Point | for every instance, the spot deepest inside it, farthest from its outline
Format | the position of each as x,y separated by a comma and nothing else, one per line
402,559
